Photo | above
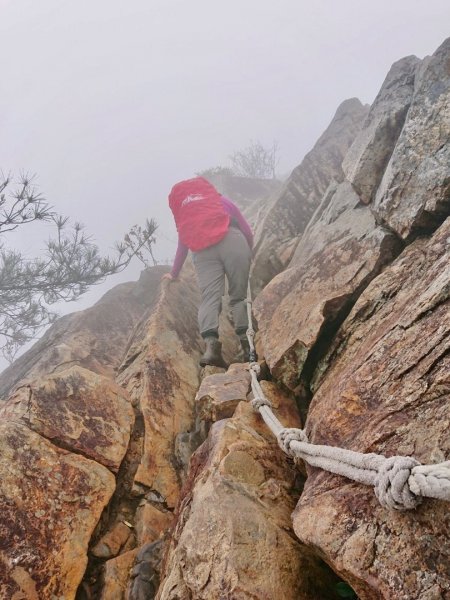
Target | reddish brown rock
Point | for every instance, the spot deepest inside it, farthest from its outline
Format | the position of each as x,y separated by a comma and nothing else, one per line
113,541
219,394
78,410
339,253
233,535
414,194
151,523
287,217
95,338
161,374
116,574
51,501
384,387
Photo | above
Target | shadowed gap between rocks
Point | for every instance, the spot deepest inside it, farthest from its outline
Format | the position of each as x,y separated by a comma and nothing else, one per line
328,331
122,506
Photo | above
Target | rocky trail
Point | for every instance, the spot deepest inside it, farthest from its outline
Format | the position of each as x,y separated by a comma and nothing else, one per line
128,473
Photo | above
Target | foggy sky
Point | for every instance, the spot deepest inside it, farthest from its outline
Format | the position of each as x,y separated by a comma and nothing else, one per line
111,102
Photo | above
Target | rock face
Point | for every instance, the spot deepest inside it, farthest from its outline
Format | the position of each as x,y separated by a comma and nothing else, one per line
290,213
384,387
219,395
64,429
341,250
51,501
78,410
95,338
98,495
161,373
365,162
232,538
414,194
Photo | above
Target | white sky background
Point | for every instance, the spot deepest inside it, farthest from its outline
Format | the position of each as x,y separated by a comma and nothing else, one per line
110,102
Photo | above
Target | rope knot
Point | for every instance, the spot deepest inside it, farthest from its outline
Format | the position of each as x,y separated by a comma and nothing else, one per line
288,435
259,401
255,367
391,483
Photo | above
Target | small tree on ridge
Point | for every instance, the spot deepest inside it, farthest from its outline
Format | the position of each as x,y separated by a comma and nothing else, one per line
70,264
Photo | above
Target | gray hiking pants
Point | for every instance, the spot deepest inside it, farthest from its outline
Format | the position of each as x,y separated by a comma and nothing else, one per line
230,257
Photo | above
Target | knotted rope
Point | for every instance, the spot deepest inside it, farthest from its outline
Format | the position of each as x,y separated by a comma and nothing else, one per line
400,482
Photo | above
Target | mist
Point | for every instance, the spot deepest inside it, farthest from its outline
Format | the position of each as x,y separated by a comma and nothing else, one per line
110,103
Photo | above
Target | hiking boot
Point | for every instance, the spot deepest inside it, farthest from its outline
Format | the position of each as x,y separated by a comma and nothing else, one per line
213,354
245,346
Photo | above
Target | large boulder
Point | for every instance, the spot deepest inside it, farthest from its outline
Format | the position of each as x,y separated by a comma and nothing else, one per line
233,534
384,387
340,252
95,338
78,410
51,501
414,194
219,395
288,216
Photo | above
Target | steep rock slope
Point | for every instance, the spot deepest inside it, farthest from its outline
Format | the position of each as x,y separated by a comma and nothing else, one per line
414,194
346,242
360,322
105,412
107,444
287,217
233,536
95,338
342,249
385,387
66,428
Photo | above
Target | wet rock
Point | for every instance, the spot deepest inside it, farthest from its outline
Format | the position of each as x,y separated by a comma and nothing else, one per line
384,387
288,216
233,535
414,194
339,253
51,502
78,410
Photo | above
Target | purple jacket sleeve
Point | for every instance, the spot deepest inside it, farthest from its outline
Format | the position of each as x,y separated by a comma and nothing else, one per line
180,257
236,214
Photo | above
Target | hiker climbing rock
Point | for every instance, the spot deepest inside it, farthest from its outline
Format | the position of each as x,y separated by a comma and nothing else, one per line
221,241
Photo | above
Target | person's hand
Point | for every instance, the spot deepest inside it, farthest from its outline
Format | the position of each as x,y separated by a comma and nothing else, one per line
169,277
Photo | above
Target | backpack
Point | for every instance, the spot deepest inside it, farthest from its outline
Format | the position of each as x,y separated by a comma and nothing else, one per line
199,214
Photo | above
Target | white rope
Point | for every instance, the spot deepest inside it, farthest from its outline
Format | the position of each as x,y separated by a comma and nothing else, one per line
400,482
250,330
